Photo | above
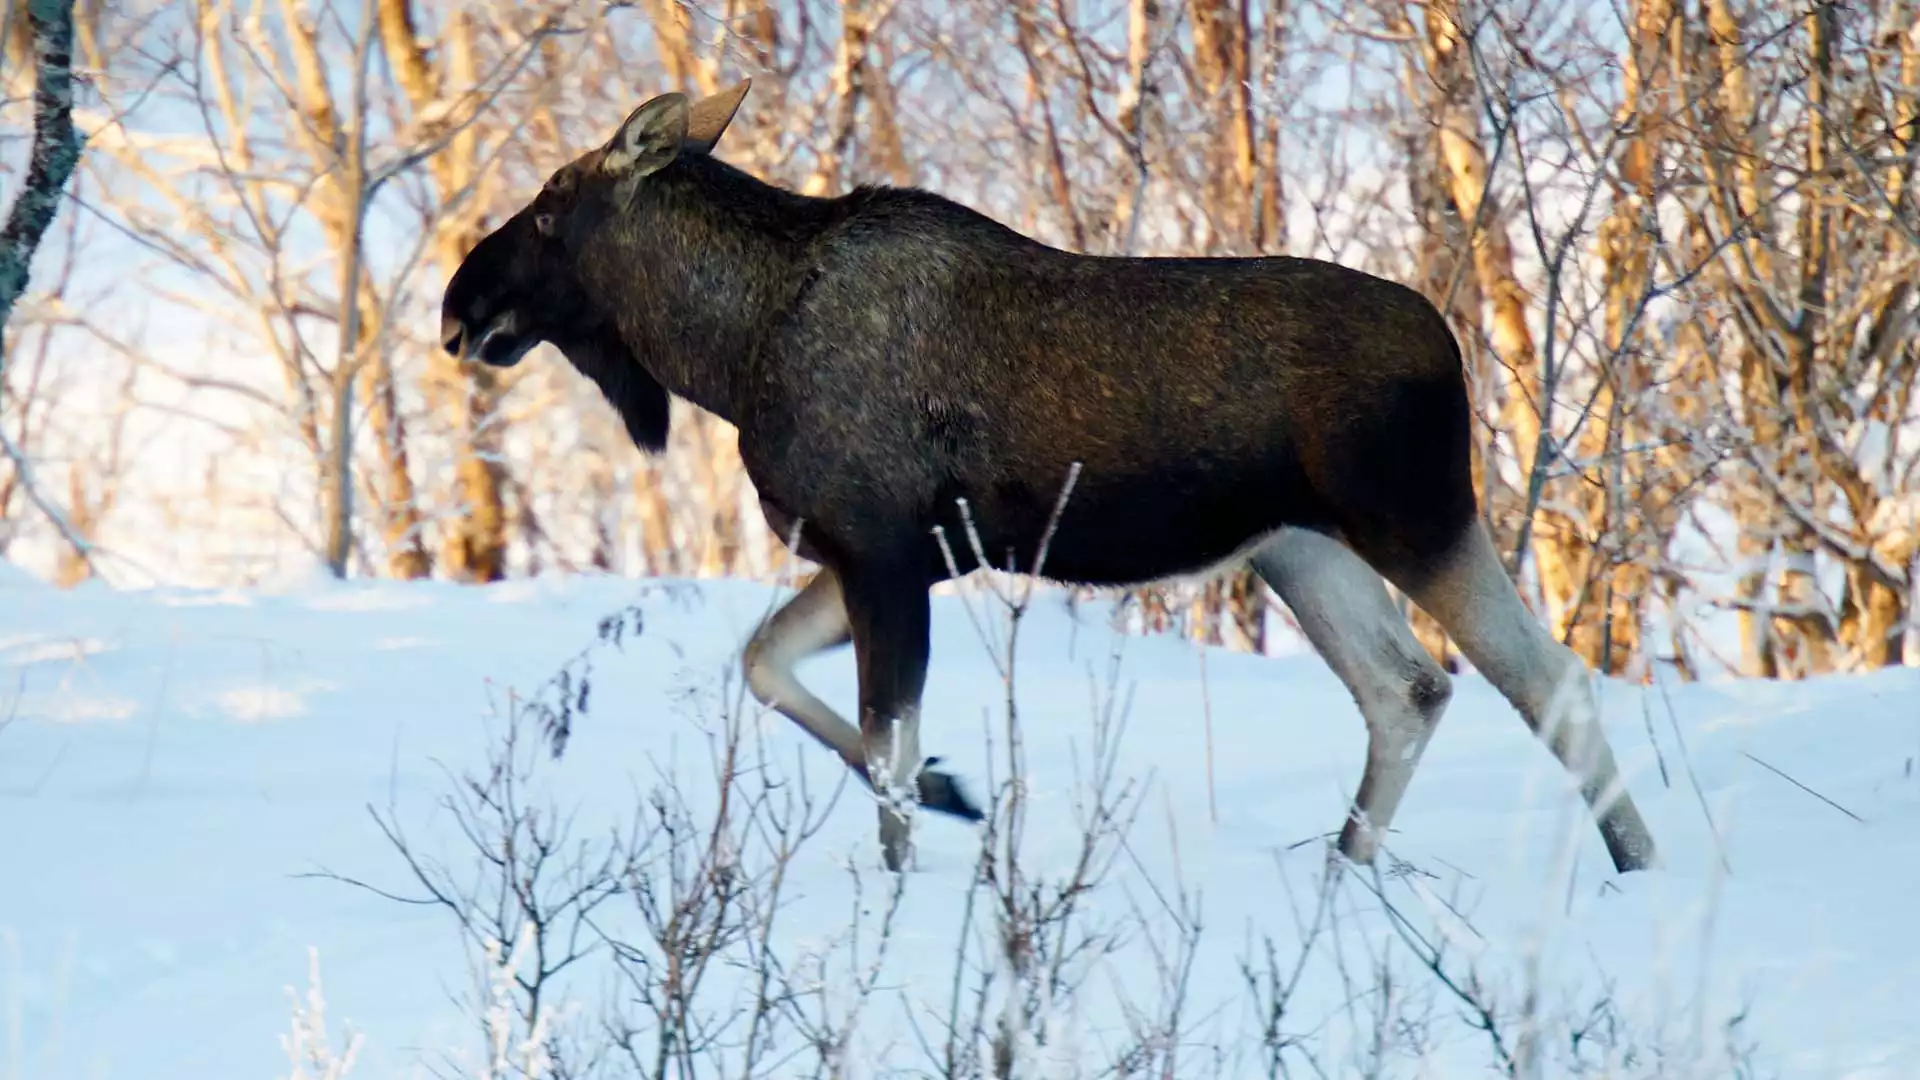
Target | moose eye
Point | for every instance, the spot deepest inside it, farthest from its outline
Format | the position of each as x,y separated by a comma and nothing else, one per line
544,223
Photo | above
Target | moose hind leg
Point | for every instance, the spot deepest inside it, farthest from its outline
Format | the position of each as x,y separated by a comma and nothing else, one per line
1469,593
1346,614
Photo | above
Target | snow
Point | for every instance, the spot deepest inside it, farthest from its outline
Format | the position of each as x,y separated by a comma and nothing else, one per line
174,765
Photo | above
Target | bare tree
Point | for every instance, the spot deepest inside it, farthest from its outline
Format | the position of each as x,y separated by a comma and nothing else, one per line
54,156
247,197
1805,159
1673,244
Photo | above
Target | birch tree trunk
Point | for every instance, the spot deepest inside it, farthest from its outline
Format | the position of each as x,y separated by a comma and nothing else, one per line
1606,629
849,87
1138,109
345,170
474,540
55,154
1222,46
1526,408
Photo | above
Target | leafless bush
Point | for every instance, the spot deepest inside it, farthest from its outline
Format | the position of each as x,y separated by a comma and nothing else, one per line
677,904
1018,975
1395,952
524,897
705,989
666,946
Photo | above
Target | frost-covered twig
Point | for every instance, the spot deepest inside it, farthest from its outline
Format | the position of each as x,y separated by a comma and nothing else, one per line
1030,963
309,1049
537,885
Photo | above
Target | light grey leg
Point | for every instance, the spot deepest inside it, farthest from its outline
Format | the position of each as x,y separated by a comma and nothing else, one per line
1471,596
812,622
1347,616
893,756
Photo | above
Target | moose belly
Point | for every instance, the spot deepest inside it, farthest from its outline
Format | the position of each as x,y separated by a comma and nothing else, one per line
1130,530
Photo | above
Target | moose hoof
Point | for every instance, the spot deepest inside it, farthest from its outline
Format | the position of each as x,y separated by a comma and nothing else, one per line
940,790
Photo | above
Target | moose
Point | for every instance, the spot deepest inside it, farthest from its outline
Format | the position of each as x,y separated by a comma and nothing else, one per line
901,368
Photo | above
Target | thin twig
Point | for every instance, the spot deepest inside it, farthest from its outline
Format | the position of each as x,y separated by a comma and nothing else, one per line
1749,756
1206,717
24,470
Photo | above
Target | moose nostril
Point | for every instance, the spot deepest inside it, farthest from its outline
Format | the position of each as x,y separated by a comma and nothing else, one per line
450,334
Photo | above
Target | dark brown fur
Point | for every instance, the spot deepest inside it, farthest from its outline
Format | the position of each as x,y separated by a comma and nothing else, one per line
889,352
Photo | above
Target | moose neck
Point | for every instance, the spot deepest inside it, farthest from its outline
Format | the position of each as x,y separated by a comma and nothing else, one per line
693,274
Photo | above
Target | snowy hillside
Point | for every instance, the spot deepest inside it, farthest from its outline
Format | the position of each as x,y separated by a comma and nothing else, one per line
176,766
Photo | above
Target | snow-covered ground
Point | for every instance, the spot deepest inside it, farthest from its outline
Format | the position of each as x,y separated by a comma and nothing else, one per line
174,765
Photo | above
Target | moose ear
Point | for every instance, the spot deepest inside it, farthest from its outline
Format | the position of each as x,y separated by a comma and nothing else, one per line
649,139
709,117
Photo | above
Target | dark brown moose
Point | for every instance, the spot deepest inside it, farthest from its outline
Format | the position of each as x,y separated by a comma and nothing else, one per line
889,354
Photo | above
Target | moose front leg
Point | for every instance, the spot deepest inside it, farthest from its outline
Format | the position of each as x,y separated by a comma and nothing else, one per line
887,609
808,624
812,622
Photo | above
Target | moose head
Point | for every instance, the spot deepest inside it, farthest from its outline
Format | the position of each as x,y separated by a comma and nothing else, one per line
522,283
